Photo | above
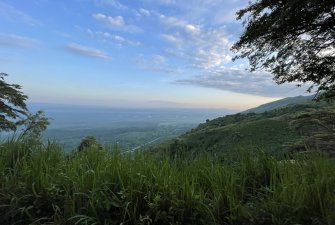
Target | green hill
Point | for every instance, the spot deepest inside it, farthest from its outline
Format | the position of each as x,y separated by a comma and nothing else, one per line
281,103
300,125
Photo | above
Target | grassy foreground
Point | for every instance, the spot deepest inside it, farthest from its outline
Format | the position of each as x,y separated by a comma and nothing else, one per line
40,184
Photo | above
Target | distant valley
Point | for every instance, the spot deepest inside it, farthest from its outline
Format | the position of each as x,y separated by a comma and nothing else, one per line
129,128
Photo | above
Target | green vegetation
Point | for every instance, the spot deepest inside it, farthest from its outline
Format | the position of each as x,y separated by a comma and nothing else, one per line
291,128
89,142
40,184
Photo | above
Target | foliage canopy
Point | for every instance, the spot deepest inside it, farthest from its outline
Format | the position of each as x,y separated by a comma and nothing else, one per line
292,39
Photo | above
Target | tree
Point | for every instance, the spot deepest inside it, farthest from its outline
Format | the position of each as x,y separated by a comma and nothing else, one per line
34,124
14,112
12,104
292,39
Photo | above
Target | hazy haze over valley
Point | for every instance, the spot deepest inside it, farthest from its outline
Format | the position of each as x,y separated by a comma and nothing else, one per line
127,127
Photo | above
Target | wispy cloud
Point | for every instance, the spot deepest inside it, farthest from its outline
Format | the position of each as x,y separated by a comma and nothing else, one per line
113,3
212,12
185,26
215,12
106,36
12,40
87,51
11,13
156,63
163,2
210,48
144,12
116,22
241,81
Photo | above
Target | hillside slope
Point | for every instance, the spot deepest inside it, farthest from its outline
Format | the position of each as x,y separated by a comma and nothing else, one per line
290,101
292,128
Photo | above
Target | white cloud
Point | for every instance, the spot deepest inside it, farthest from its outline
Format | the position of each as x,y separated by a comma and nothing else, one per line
212,48
241,81
204,47
193,29
87,51
12,40
106,36
156,63
211,12
144,12
117,38
116,21
215,12
184,25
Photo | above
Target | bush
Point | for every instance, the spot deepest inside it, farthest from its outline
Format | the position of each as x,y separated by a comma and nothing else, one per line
89,142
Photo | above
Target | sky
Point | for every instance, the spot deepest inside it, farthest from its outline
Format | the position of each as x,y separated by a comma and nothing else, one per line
131,53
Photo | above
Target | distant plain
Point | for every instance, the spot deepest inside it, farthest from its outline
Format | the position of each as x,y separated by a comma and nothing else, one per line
129,128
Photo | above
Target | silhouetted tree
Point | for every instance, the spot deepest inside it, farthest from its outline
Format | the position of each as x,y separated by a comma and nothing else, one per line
294,40
14,112
12,104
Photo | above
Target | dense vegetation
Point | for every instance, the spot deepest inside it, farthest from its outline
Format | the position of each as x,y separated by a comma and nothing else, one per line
40,184
294,127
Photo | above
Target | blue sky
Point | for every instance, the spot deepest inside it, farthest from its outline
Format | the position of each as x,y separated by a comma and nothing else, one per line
131,53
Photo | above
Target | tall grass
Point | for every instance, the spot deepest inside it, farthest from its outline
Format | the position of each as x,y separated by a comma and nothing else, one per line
40,184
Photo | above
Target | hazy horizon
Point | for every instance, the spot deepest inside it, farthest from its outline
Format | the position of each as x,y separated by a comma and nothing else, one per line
103,116
129,127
